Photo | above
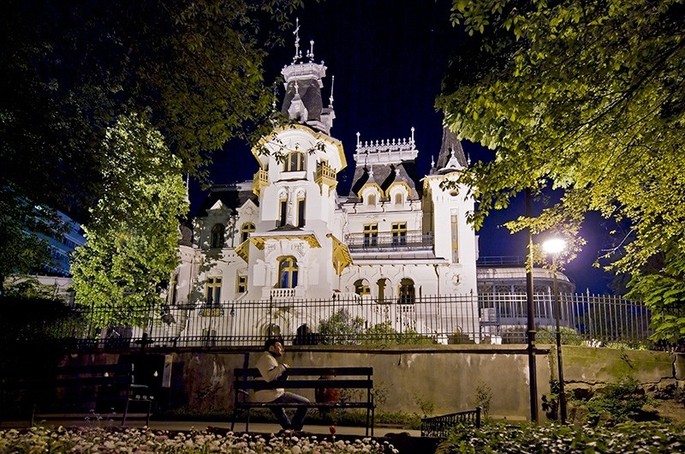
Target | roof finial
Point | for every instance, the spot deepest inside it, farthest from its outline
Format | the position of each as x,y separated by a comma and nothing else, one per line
412,135
187,199
298,54
432,161
273,101
310,52
371,172
330,100
358,141
297,88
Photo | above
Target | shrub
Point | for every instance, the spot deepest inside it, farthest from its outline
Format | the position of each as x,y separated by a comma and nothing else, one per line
569,336
554,438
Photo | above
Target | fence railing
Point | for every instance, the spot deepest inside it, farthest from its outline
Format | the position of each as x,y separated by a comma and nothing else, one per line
486,318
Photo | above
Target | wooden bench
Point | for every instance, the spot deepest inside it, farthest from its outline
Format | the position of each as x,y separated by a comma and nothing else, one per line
303,378
91,387
439,426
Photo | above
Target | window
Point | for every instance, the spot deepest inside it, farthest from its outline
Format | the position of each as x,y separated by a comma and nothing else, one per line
173,293
241,284
294,162
361,287
399,233
406,291
213,291
370,235
399,198
300,211
245,231
455,238
218,236
371,200
282,211
287,272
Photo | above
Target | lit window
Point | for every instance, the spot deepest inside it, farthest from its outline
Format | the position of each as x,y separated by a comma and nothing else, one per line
370,235
213,291
406,291
399,233
245,231
218,236
241,284
371,200
294,162
300,211
287,272
282,211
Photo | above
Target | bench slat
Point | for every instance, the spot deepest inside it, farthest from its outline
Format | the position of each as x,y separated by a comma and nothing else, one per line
311,371
303,384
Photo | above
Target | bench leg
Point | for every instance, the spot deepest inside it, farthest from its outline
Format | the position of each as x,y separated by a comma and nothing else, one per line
149,410
123,420
247,421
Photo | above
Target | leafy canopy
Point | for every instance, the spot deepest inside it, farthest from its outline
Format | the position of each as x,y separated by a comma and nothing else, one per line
583,96
132,239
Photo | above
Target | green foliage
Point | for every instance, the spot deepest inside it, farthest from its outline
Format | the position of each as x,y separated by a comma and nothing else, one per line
39,321
483,397
70,69
620,401
569,336
22,248
384,334
132,241
553,438
586,97
341,328
426,406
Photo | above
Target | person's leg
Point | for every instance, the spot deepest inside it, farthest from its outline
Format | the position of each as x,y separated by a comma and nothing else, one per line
281,416
298,419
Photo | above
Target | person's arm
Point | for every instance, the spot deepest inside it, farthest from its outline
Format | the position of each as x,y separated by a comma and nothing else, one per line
269,368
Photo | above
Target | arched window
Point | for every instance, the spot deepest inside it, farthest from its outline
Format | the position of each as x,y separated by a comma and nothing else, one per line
300,210
399,198
294,162
218,236
245,231
361,287
406,291
287,272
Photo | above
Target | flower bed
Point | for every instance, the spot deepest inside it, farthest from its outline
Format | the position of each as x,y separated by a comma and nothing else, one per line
99,440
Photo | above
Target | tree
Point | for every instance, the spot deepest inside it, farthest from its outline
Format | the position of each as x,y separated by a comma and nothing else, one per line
583,96
132,239
70,69
22,250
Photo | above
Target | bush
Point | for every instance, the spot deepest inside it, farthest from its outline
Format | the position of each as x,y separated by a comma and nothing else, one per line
569,336
553,438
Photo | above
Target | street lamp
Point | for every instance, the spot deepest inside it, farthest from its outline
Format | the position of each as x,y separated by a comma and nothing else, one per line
554,247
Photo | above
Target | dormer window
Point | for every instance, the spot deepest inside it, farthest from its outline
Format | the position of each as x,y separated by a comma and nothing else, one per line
399,199
245,231
294,162
218,236
371,200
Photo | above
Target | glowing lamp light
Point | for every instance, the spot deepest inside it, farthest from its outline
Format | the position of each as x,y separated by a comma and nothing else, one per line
554,245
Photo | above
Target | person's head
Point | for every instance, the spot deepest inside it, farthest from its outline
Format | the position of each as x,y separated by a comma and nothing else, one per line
274,346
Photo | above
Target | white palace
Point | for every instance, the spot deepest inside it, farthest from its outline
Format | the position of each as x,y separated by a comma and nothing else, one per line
288,238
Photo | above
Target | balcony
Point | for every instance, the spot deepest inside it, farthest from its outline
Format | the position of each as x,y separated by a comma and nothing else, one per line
389,241
325,175
260,180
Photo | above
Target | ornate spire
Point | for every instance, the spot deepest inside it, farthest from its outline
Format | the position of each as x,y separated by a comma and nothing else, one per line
330,100
298,53
310,52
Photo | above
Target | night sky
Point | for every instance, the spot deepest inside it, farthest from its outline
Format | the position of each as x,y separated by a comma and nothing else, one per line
388,59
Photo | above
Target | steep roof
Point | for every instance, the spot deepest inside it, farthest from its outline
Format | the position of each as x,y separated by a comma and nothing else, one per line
231,196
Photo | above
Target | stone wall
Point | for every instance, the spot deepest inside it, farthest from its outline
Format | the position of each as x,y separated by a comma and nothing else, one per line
444,377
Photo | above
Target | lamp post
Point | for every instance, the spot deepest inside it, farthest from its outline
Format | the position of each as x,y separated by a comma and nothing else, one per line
554,247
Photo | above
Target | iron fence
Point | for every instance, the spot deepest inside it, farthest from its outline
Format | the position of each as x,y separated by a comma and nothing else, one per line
351,319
